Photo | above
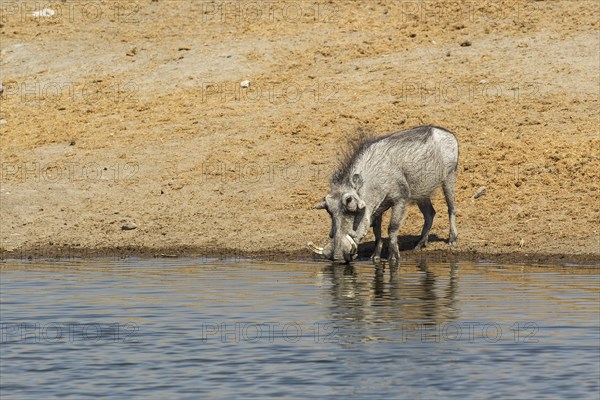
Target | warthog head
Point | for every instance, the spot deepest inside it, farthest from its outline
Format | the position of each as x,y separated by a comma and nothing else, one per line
346,208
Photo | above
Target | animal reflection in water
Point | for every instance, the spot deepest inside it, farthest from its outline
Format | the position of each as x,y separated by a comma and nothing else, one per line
405,299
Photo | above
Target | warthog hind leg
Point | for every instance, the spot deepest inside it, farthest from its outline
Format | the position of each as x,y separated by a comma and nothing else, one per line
428,214
448,187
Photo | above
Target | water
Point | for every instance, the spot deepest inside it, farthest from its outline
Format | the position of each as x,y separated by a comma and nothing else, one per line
166,329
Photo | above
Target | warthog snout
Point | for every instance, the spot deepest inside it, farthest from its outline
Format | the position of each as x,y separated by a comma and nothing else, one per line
347,251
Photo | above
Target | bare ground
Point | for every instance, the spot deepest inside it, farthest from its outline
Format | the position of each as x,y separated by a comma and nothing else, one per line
120,112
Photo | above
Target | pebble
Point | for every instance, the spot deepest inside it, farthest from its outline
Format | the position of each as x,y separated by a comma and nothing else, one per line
478,193
129,226
245,84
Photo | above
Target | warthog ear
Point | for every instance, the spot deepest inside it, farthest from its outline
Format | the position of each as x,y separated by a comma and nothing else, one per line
356,181
352,202
321,206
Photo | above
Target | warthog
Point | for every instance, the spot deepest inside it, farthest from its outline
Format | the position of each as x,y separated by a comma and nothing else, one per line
389,172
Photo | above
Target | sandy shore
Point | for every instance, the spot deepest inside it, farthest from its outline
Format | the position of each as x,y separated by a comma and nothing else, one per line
134,116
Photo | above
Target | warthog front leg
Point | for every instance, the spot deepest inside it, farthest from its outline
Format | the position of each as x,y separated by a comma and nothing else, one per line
376,257
398,213
363,226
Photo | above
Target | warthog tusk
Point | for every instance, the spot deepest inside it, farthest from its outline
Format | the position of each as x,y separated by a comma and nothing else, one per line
352,243
315,249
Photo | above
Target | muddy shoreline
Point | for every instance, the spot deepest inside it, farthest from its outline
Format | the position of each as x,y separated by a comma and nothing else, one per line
300,255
